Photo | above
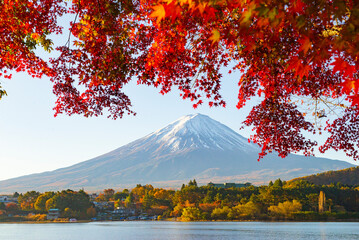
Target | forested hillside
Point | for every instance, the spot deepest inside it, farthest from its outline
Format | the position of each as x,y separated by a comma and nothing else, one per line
349,176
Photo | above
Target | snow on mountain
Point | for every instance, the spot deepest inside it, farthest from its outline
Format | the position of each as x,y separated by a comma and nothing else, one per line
200,131
194,146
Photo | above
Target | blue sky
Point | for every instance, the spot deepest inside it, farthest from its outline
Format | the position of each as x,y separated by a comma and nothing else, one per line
32,140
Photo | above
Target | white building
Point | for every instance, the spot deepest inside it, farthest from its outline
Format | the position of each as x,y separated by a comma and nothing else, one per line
54,213
4,199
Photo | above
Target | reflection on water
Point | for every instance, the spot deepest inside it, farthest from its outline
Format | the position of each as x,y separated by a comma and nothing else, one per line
181,231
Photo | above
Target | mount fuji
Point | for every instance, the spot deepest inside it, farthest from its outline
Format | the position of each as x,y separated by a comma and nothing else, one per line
194,146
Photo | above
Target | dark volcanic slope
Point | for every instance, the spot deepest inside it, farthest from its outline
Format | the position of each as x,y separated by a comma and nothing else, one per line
194,146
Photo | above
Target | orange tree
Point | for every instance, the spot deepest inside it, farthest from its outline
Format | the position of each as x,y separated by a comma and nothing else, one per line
283,48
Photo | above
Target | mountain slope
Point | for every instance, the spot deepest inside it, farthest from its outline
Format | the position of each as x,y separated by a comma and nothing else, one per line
194,146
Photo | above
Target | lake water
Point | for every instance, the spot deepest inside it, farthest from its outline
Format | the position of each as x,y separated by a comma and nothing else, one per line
181,231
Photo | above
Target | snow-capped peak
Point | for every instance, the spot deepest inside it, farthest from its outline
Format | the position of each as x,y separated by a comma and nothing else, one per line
200,131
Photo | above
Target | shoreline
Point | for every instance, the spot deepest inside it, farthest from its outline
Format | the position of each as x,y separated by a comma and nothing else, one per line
167,220
44,222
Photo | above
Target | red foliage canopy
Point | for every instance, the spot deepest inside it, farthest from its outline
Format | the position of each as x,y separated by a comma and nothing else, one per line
284,49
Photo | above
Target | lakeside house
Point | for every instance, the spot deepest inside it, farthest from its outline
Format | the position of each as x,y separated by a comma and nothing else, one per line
104,205
121,211
4,199
8,199
93,196
229,185
54,213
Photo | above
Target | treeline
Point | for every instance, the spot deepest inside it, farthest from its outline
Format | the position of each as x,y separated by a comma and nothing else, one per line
279,200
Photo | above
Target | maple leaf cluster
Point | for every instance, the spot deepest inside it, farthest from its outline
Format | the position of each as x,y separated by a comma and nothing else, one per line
283,48
23,26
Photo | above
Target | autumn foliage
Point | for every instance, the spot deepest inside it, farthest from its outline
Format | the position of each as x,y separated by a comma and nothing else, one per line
285,49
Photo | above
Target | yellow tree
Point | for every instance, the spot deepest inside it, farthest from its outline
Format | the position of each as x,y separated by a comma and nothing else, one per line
286,208
321,202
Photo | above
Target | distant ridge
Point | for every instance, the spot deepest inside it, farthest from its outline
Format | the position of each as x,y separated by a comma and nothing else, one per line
348,176
194,146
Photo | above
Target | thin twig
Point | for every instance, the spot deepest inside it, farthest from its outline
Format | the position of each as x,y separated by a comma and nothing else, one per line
331,110
70,33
